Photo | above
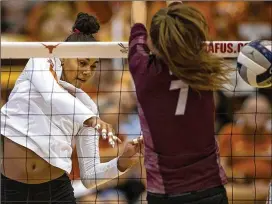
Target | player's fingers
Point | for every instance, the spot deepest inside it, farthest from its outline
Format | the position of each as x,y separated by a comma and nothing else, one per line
111,141
104,132
138,140
135,141
110,135
97,127
115,138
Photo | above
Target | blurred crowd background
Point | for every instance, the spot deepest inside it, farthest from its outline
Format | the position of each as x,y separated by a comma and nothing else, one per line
243,114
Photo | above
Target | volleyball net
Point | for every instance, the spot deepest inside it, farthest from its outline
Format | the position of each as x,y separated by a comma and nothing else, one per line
112,90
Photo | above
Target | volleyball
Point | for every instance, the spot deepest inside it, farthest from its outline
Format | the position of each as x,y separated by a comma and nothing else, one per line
254,63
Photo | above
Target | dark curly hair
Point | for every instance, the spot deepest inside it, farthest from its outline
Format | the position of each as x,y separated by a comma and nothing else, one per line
85,26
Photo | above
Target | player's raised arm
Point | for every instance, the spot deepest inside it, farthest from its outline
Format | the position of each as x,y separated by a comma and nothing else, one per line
39,73
139,44
104,128
138,35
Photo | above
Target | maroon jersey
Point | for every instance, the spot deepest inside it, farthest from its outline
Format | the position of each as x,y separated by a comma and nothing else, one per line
181,152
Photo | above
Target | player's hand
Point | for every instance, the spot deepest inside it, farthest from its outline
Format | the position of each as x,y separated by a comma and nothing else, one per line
131,153
104,129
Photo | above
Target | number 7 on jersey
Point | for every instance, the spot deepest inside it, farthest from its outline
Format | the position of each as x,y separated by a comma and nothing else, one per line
183,95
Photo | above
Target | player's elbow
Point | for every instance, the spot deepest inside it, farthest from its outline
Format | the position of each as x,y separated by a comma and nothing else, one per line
88,182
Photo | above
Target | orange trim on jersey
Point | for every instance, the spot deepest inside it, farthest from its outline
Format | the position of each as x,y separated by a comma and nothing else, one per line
52,70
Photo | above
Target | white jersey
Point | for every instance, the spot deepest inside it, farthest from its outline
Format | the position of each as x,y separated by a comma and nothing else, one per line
43,116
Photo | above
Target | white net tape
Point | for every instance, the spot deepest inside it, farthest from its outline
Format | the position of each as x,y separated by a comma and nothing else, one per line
21,50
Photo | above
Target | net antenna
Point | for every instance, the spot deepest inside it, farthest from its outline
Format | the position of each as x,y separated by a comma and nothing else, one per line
102,50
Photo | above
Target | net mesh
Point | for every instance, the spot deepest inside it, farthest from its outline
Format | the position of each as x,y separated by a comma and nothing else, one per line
112,89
